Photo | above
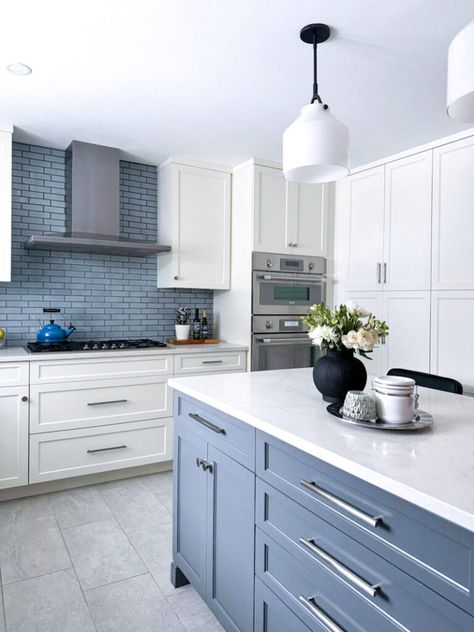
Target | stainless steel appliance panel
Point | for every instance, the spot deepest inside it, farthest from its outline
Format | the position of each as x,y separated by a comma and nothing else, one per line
277,351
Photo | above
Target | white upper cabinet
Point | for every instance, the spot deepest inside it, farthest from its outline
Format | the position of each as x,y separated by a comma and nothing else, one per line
270,225
289,218
407,225
453,216
194,218
307,218
362,203
384,221
5,201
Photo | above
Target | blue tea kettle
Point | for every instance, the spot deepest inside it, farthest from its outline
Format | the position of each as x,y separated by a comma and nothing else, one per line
53,333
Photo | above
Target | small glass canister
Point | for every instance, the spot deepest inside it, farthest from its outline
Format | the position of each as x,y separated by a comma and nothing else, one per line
359,405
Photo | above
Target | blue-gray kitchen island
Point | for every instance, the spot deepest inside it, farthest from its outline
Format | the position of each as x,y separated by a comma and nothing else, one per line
286,519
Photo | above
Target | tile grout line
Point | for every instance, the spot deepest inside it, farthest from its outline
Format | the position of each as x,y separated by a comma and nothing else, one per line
75,574
4,614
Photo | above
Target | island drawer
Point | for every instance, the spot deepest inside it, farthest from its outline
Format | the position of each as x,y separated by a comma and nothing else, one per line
434,551
210,362
66,406
14,373
318,598
315,543
56,455
271,614
230,435
101,368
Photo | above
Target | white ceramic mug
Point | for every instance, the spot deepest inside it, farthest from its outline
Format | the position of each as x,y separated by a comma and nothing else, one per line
396,409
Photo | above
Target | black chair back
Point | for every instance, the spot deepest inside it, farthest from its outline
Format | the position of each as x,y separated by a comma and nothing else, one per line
429,380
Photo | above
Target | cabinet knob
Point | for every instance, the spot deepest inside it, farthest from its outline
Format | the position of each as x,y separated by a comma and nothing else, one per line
24,398
268,324
290,245
176,278
295,245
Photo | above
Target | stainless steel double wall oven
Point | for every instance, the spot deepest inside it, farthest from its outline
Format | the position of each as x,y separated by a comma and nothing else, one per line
283,288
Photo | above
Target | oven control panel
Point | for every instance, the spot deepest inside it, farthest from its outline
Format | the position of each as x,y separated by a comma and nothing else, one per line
278,325
288,263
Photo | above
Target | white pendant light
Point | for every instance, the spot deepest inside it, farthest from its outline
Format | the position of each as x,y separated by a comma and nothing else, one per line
315,146
461,75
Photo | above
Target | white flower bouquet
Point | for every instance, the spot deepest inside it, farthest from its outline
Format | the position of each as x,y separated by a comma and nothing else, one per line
345,327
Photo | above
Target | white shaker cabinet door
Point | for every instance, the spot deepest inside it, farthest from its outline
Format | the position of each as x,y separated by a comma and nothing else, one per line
452,338
453,216
5,201
407,226
194,218
271,231
408,343
372,302
363,199
308,217
13,436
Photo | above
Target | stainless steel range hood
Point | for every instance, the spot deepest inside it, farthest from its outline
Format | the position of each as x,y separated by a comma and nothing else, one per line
93,207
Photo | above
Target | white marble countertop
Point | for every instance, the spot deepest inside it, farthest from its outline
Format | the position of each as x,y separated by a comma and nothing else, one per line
21,354
432,468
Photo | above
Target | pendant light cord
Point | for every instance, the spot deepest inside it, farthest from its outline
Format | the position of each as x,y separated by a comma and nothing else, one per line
316,96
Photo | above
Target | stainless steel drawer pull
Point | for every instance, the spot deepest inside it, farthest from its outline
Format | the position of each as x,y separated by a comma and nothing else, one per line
379,273
342,570
385,273
113,447
373,521
112,401
206,423
321,616
212,361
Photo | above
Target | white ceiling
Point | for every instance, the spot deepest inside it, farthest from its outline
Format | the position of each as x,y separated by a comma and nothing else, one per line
221,79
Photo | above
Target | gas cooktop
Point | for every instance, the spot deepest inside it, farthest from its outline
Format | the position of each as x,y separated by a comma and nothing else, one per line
97,345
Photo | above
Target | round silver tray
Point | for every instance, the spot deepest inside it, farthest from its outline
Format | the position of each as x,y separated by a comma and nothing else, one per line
422,419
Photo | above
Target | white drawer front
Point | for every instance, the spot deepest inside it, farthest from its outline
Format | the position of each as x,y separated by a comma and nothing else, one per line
14,373
50,371
76,452
67,406
188,363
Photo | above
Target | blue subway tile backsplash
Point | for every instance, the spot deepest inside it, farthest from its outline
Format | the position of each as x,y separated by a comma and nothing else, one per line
105,296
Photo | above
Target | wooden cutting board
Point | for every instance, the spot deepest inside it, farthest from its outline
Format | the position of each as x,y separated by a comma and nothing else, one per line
209,341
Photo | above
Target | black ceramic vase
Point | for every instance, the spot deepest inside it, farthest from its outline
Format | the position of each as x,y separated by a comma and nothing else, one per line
338,372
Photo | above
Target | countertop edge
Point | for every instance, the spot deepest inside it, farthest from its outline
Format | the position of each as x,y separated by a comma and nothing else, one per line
401,490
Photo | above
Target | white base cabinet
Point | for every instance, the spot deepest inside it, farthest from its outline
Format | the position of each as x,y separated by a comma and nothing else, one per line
452,338
408,316
13,436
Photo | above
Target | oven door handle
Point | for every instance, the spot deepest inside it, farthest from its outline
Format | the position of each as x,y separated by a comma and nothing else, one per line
298,341
315,279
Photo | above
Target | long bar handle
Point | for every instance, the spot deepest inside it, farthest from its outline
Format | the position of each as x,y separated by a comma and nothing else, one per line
112,401
206,423
212,361
321,616
279,341
385,272
340,568
372,521
379,273
301,278
113,447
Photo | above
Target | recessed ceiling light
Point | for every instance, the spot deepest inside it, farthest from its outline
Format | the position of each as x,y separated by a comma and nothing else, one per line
18,68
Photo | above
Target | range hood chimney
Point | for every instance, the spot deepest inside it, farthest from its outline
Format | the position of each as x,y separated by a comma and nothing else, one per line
93,207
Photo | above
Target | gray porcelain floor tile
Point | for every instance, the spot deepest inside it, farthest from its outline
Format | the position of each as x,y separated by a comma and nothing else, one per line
101,553
159,484
133,605
51,603
25,509
2,614
192,611
155,549
79,506
134,506
29,548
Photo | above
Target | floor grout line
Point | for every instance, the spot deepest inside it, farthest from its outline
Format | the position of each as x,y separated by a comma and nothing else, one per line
75,574
4,614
